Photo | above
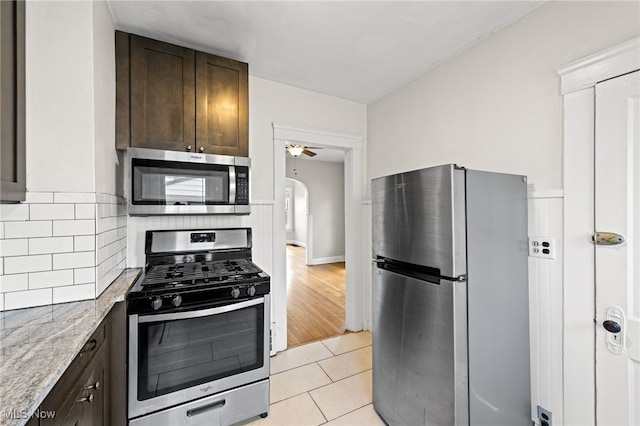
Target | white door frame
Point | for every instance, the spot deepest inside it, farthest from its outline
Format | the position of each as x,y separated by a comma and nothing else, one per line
352,147
578,81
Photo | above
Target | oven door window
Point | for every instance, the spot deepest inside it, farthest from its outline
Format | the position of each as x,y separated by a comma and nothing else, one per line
178,354
175,183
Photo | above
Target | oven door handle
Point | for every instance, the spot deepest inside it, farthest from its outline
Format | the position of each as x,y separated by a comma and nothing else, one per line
199,313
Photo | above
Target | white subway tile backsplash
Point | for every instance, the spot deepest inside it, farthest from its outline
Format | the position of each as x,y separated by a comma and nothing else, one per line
84,275
28,229
74,227
15,282
74,260
110,250
84,243
39,197
106,280
85,211
52,211
27,299
50,279
74,293
14,247
50,245
60,246
74,197
20,264
11,212
107,224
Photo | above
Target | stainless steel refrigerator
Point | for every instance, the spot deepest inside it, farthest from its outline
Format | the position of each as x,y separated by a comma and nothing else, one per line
450,298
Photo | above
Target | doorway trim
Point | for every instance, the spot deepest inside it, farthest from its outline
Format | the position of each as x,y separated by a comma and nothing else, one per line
578,81
354,294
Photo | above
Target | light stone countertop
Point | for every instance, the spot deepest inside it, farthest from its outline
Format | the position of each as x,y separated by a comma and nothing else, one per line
38,344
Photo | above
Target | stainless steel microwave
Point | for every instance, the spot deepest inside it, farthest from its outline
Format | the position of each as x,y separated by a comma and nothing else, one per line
185,183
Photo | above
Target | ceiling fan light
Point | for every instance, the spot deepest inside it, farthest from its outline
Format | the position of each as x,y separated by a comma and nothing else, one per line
295,150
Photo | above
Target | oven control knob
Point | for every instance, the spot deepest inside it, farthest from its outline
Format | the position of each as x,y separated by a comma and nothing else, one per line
176,300
156,302
251,290
235,292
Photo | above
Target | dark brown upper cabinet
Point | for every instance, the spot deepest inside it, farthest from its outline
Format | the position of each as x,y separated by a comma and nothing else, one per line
171,97
12,102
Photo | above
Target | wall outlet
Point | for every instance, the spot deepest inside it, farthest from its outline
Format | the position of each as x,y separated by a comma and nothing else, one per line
544,247
544,416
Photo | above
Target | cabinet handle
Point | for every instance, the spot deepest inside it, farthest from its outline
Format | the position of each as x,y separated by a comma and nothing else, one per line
188,147
88,399
201,149
88,347
95,386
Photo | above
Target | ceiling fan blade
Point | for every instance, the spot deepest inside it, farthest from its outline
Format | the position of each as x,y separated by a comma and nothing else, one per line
309,153
313,147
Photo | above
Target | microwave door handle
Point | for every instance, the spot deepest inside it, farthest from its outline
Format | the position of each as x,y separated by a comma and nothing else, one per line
232,184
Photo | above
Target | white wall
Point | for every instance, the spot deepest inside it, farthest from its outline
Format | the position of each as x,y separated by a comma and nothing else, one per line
59,96
70,90
108,175
298,235
271,102
497,106
325,183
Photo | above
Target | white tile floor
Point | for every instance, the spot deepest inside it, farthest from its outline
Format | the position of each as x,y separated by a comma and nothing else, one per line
323,383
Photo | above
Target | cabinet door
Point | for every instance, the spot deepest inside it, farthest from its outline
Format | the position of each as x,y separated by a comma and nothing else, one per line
162,95
222,99
95,412
12,110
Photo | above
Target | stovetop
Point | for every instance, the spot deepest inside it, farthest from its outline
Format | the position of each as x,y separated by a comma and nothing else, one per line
185,274
184,279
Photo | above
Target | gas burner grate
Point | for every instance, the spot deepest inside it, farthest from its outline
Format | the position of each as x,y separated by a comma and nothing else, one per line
184,274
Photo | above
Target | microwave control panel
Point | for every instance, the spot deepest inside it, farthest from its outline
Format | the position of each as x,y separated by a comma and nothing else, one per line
242,185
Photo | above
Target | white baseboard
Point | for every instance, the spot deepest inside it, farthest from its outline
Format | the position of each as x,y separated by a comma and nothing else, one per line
322,260
297,243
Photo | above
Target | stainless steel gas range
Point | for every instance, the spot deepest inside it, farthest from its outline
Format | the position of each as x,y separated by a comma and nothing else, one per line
198,324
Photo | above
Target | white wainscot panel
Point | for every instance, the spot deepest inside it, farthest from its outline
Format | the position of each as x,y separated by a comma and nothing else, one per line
546,306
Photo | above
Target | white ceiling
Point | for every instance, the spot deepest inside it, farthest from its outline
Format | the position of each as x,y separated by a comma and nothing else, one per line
356,50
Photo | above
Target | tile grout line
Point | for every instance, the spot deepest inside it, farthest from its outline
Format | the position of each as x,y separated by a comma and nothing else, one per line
326,418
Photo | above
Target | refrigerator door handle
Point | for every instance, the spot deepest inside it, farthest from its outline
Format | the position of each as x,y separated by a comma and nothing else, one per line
418,272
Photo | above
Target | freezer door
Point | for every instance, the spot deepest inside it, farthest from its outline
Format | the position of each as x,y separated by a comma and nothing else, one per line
419,218
419,350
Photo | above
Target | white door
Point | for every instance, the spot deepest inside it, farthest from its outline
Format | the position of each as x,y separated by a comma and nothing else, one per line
617,210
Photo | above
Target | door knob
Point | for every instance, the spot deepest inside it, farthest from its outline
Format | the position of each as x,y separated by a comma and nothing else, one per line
612,326
188,148
201,149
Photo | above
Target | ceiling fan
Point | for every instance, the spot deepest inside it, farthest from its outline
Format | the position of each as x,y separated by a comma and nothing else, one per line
296,150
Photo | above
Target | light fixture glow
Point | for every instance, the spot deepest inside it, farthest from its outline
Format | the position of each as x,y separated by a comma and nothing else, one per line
295,150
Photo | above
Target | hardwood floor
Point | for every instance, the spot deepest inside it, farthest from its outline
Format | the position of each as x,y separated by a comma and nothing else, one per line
315,299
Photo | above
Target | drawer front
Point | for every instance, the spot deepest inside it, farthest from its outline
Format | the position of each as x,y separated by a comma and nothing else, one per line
67,383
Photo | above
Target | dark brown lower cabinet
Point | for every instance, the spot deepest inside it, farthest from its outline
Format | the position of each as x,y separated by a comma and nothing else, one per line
83,395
